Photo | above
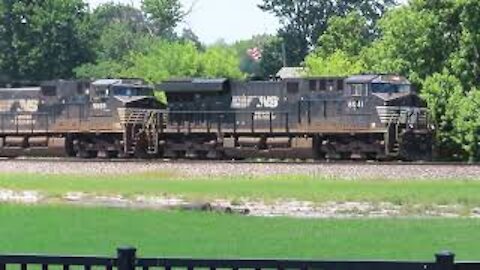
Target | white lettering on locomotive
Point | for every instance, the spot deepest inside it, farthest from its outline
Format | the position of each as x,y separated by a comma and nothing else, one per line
99,106
264,116
243,102
19,105
24,119
356,104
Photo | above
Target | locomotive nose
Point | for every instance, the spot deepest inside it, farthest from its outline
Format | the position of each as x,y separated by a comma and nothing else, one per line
136,110
401,99
402,108
145,102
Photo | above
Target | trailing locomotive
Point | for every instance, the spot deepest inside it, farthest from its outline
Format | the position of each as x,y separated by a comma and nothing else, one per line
73,118
363,117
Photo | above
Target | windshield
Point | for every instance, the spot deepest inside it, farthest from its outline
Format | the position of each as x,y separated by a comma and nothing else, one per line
132,91
390,88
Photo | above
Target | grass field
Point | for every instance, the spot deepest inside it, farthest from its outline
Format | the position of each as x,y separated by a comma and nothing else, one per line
268,188
68,230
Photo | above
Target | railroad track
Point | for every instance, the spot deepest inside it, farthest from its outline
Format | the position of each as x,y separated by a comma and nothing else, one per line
253,161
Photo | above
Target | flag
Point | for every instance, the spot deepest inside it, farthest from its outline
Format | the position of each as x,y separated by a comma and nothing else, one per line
255,54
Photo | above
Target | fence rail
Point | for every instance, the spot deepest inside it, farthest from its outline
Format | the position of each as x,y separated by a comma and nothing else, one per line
126,259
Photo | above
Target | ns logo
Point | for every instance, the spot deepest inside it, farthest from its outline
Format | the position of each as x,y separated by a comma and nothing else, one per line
243,102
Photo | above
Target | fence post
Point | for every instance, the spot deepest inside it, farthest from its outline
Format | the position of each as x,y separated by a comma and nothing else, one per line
126,257
445,260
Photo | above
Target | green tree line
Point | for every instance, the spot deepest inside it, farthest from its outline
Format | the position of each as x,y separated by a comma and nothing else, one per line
50,39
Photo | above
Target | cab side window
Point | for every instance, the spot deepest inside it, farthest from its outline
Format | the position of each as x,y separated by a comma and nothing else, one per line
49,91
292,87
312,85
358,90
340,85
329,85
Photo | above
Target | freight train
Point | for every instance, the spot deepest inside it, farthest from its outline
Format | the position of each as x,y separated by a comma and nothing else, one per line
374,117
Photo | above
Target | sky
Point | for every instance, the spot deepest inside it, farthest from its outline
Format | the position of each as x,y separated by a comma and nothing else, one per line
214,20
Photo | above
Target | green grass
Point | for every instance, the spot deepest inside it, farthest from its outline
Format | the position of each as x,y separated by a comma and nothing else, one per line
68,230
269,188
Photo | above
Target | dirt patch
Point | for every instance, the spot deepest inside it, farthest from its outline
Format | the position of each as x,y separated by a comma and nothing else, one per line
280,208
24,197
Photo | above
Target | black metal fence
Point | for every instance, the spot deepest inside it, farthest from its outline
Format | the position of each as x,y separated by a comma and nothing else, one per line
127,260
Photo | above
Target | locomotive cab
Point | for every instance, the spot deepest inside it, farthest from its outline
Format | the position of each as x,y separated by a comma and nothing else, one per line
116,93
392,96
382,85
103,89
132,91
394,107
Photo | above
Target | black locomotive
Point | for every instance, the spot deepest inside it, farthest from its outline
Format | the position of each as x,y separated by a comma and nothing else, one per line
362,117
74,118
365,117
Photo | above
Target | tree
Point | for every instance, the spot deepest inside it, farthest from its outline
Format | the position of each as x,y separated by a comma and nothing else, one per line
337,64
467,124
44,39
122,30
103,69
443,93
219,61
349,34
271,51
8,59
427,37
189,36
167,59
109,14
119,29
118,40
272,56
407,45
304,21
465,62
247,64
163,16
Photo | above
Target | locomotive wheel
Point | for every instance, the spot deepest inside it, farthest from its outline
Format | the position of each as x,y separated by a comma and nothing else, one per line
215,155
202,155
112,154
371,156
82,151
181,154
141,153
319,155
87,154
345,156
106,154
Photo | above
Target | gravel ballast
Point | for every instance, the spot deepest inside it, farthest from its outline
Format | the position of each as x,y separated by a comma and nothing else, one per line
218,169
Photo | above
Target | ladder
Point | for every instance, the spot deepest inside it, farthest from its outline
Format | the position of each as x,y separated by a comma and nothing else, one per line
139,124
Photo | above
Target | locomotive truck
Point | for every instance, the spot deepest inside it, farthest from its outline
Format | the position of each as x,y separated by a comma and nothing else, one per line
359,117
